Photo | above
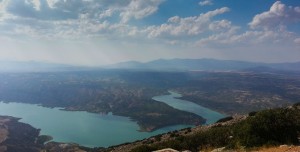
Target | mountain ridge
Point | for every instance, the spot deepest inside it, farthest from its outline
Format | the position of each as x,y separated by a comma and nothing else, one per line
204,64
176,64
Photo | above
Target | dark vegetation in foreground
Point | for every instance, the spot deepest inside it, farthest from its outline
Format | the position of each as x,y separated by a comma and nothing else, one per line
265,128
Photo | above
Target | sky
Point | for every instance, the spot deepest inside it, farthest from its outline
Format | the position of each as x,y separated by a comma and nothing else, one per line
98,32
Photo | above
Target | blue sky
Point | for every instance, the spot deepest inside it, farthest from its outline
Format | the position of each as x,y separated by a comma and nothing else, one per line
97,32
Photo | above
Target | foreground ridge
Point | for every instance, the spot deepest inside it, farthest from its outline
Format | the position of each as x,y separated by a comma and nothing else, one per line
267,128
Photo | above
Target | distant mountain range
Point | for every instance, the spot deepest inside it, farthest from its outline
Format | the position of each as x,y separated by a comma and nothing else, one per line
204,64
160,65
32,66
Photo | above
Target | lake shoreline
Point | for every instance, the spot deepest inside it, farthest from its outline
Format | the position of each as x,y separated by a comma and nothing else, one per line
174,100
84,128
50,115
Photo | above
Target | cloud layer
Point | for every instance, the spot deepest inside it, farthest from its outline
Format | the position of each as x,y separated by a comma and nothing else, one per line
109,18
126,21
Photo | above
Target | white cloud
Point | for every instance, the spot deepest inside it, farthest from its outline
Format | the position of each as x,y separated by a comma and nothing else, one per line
220,25
36,4
109,19
188,26
51,3
297,40
3,5
106,13
74,18
206,2
174,19
222,37
107,24
266,28
72,9
139,9
278,15
251,38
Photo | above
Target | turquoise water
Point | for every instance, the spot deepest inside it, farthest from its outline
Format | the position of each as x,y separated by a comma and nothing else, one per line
87,129
184,105
96,130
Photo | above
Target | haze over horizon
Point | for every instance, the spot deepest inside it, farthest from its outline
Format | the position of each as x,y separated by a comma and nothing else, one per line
98,32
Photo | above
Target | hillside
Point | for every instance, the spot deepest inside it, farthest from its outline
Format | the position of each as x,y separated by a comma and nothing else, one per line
267,128
19,137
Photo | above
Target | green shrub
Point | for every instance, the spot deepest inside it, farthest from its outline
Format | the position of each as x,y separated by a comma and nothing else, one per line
268,127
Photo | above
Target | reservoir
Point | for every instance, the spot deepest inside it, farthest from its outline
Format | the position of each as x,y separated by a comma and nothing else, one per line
96,130
86,129
184,105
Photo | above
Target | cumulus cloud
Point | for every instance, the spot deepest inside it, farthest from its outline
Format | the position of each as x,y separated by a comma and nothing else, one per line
51,3
297,41
233,38
36,4
188,26
220,25
38,9
222,37
270,27
264,36
206,2
3,5
278,15
139,9
127,9
106,13
72,9
74,18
